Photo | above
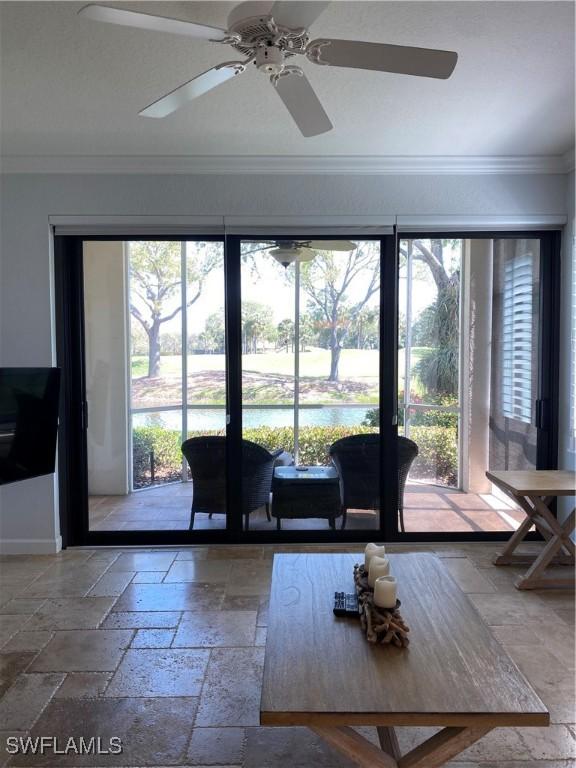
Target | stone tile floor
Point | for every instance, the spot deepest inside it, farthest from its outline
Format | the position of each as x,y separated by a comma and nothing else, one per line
426,508
164,649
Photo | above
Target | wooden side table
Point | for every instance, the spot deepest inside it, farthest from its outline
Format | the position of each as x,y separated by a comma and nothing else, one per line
533,491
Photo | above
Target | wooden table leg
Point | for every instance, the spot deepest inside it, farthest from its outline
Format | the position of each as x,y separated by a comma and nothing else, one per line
505,557
562,530
441,747
356,748
434,752
389,741
534,576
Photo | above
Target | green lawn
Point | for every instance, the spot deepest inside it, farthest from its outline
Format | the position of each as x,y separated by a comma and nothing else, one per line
354,363
314,362
267,377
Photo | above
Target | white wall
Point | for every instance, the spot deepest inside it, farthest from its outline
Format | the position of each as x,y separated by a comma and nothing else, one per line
566,447
105,326
28,510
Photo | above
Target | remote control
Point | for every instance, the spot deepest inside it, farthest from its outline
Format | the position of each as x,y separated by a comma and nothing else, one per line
345,604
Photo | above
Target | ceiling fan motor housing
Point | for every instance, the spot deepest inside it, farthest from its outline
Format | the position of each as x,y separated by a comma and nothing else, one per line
269,59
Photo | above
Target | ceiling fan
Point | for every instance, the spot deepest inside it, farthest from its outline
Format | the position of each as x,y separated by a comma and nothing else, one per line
286,252
271,37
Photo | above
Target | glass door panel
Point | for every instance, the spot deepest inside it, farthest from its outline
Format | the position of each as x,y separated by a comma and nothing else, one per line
156,375
468,360
310,374
515,347
206,389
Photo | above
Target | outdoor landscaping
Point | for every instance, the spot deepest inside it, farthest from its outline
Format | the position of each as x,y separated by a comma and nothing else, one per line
337,350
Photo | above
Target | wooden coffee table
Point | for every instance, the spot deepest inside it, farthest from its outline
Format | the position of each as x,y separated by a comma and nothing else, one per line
320,671
533,491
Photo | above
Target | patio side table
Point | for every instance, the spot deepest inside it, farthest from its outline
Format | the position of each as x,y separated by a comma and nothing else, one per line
533,491
306,493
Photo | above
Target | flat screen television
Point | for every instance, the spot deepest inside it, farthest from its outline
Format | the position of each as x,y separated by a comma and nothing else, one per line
28,422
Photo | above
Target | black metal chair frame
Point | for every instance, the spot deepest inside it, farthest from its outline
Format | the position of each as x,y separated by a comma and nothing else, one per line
357,459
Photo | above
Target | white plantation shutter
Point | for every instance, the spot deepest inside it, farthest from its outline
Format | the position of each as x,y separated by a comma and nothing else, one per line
517,338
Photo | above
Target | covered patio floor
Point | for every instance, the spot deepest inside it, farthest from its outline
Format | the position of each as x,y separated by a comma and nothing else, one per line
427,508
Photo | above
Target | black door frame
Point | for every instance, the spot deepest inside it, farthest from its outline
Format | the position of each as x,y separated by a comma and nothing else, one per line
72,458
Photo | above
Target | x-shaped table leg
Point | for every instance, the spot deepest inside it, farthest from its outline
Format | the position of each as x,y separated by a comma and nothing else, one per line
432,753
559,545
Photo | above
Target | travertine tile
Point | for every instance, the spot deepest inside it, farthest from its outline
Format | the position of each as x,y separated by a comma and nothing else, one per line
148,577
193,553
141,619
231,692
210,629
250,577
63,581
143,561
502,744
520,608
11,665
553,682
70,613
23,702
290,748
170,597
21,605
153,638
28,641
154,732
83,650
83,685
216,746
467,576
241,603
208,571
159,672
111,584
236,552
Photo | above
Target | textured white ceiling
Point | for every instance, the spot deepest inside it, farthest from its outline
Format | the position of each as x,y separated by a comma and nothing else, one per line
74,87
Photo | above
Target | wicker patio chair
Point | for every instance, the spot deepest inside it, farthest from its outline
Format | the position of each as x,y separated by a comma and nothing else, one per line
357,459
206,457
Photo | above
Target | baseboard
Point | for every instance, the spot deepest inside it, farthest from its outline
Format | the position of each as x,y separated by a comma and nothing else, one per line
31,546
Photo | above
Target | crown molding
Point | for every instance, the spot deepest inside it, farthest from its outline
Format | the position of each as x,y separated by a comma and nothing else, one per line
296,165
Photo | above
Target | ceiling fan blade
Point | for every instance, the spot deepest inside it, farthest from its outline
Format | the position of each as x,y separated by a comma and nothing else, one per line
148,21
303,104
180,96
331,245
300,13
401,59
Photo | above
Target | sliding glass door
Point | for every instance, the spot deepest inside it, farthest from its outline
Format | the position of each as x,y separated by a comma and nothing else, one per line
325,390
155,376
475,393
310,334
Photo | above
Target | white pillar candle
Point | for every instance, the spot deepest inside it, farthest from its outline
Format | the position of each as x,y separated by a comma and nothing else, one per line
373,550
385,592
379,566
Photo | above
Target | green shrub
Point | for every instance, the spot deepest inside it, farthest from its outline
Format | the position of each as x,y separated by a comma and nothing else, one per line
165,445
437,454
437,459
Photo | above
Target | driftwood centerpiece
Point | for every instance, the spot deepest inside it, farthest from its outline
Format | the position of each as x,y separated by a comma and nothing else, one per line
382,625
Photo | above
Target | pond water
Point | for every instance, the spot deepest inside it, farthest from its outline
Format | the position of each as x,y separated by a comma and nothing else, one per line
214,418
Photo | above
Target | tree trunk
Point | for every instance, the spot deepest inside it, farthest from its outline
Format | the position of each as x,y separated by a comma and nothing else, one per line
334,361
154,349
335,350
